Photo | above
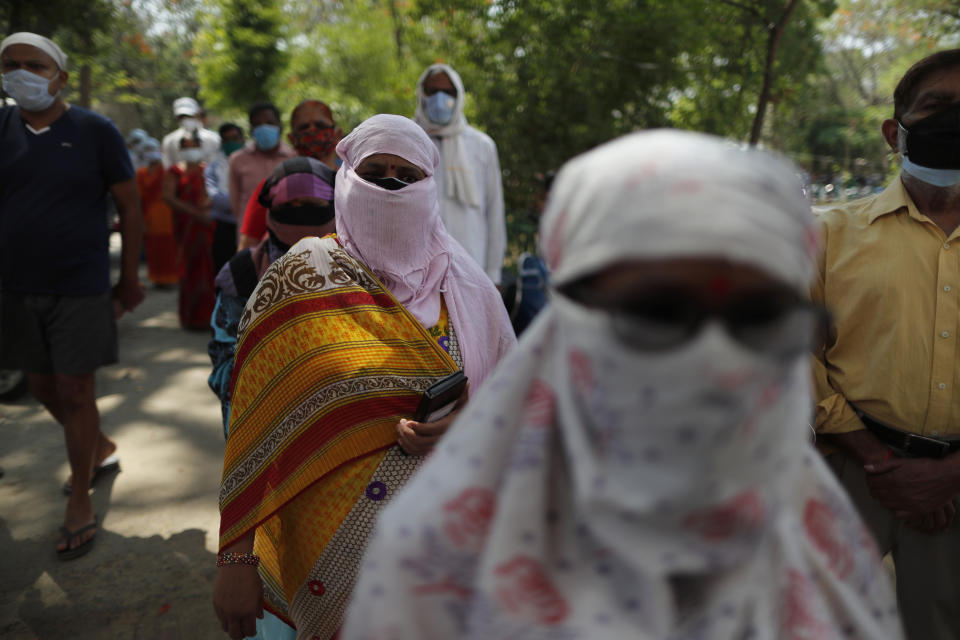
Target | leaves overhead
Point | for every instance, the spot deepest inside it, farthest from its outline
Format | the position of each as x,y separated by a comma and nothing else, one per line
547,79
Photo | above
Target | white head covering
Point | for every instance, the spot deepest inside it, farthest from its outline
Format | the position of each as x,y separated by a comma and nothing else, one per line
593,491
46,45
458,179
185,107
399,235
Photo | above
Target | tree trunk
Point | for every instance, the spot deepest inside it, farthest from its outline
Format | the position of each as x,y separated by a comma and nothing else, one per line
773,42
85,86
397,30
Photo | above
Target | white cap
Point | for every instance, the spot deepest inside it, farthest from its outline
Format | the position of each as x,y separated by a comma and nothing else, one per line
46,45
185,107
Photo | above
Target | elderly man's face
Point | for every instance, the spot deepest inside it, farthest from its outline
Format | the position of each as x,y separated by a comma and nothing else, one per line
32,59
937,91
439,82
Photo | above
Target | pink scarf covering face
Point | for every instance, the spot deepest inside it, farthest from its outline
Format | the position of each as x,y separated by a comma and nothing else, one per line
400,237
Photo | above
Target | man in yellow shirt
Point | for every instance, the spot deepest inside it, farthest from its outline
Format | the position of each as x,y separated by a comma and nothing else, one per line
888,383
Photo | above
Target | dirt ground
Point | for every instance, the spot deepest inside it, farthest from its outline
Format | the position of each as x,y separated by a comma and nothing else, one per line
151,572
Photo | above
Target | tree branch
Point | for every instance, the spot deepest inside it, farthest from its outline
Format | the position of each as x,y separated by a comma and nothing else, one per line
744,7
773,42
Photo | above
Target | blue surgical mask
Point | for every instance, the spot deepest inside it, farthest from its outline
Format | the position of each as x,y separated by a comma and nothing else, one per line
440,107
28,89
267,136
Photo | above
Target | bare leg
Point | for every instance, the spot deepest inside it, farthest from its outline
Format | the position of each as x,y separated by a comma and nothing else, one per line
44,388
70,399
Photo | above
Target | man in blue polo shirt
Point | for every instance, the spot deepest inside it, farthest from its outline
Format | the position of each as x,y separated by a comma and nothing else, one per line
57,308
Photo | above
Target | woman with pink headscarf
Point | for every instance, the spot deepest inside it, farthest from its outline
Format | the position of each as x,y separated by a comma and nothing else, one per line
336,346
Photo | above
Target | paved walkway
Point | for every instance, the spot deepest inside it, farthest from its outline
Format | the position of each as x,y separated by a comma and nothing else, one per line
151,572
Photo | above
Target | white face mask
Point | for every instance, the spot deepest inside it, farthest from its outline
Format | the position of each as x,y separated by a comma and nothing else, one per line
683,411
192,155
936,177
190,124
29,90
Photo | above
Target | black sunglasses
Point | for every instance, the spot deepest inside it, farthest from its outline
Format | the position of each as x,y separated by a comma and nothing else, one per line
775,323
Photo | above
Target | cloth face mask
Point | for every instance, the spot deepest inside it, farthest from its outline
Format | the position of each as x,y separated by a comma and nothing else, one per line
699,397
267,136
230,147
934,141
316,144
304,214
29,90
929,147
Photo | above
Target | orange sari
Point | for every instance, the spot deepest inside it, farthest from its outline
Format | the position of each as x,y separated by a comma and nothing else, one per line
158,241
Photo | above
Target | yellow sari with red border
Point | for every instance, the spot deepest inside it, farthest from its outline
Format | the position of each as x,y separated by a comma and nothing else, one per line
327,363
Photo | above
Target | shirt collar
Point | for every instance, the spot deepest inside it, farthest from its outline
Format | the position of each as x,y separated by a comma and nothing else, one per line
893,199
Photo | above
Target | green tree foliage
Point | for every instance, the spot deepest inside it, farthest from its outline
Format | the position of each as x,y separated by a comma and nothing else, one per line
361,58
146,63
867,45
551,79
547,79
724,75
238,52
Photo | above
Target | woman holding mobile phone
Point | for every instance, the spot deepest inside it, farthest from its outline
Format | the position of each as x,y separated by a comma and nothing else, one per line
337,344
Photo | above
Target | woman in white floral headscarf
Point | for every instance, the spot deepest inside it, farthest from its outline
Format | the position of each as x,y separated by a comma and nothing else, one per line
639,467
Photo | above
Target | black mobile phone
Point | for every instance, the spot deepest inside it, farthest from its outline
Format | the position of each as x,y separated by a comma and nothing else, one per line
439,399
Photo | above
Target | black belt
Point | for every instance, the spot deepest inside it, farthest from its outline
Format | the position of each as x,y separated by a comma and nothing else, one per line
911,444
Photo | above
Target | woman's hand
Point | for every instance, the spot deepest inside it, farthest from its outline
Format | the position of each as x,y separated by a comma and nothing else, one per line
238,599
418,438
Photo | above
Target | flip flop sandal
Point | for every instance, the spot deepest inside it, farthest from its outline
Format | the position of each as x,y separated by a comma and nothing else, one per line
110,464
76,552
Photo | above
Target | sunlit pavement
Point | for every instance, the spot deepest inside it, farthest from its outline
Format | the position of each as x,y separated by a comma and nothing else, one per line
150,573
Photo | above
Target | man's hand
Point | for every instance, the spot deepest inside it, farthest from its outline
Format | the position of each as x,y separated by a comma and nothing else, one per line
914,487
419,438
126,296
238,599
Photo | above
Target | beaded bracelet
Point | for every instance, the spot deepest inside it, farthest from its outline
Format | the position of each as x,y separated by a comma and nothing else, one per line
237,558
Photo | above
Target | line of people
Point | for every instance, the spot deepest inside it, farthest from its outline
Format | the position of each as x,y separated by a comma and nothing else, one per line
637,466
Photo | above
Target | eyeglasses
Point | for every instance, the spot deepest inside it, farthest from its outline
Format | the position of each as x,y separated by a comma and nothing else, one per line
774,323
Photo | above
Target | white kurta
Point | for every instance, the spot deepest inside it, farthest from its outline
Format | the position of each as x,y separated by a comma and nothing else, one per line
481,229
209,142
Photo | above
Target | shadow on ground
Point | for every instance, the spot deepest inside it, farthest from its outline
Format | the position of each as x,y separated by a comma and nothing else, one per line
94,596
150,574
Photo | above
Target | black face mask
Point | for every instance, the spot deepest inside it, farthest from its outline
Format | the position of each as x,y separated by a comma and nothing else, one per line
391,184
934,142
303,215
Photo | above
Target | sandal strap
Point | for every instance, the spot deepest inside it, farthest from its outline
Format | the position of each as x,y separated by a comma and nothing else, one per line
73,534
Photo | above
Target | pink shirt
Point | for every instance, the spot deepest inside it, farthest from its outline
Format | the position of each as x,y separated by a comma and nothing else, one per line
248,168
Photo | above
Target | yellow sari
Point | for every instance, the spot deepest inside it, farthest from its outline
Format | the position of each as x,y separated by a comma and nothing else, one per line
327,363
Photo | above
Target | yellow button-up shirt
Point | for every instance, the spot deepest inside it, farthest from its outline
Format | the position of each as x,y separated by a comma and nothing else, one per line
891,278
